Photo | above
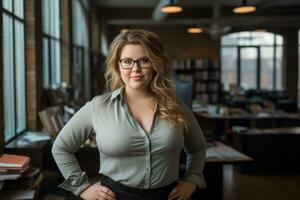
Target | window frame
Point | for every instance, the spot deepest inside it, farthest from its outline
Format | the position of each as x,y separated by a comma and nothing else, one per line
2,135
275,45
13,131
48,78
80,45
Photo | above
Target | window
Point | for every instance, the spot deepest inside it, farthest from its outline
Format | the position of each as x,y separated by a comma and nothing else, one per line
248,67
51,43
229,66
14,68
252,60
267,67
80,70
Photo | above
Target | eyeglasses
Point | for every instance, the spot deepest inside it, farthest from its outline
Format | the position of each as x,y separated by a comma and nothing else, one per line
128,63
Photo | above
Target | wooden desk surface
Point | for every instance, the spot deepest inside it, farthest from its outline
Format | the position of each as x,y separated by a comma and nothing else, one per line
222,153
16,144
35,150
295,116
279,131
241,116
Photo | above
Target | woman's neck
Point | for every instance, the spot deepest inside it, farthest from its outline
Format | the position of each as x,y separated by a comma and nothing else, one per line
140,97
133,95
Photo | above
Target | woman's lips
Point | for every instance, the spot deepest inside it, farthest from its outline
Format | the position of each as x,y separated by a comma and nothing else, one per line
136,78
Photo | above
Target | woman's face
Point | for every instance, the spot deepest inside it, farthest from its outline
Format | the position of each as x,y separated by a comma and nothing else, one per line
135,68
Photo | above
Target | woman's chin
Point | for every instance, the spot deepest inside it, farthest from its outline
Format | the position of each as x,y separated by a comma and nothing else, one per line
137,86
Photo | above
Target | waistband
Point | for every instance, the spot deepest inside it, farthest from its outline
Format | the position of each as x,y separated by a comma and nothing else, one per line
165,189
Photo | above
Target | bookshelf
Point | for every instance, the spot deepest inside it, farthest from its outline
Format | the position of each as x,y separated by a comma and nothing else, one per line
205,74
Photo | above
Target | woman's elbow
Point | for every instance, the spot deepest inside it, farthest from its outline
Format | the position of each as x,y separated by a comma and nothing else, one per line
55,147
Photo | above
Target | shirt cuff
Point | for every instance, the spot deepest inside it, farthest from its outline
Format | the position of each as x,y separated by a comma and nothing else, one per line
199,181
76,183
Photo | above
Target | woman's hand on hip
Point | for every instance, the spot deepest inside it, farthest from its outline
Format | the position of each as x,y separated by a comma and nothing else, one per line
97,192
182,191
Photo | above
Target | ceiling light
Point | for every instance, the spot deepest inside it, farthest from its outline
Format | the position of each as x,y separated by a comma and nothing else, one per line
194,30
261,30
244,8
171,8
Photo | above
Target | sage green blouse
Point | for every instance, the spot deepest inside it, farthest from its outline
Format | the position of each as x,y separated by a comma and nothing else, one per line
128,154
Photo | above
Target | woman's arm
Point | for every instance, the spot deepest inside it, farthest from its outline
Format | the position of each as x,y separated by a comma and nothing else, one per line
69,140
195,149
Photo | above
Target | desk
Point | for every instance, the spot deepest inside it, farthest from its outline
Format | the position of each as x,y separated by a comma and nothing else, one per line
272,150
25,187
219,124
216,157
225,154
37,151
29,185
41,157
293,119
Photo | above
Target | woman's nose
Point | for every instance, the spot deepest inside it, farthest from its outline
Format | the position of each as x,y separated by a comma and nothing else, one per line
136,67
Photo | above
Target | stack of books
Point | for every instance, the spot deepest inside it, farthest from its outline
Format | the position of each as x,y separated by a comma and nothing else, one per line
12,166
26,187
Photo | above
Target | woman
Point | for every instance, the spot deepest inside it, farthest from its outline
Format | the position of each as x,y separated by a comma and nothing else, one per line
140,126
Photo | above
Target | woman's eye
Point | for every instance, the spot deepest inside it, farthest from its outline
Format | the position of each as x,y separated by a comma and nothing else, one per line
127,61
144,61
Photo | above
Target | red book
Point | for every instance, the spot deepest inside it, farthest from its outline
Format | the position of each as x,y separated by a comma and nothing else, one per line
12,161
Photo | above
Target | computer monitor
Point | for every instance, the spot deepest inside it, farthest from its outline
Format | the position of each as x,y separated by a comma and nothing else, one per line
184,90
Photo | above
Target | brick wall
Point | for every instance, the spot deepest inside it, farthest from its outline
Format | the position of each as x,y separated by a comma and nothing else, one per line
66,40
33,59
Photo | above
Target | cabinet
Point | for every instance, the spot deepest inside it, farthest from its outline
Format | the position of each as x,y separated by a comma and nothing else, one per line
205,74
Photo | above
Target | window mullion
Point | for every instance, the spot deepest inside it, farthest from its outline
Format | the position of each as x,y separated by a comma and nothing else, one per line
14,73
274,63
14,99
258,73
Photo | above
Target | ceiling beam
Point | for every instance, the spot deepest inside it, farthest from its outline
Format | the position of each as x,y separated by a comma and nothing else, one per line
244,21
159,23
267,21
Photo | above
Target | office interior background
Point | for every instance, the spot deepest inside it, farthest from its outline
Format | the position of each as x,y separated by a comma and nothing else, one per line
238,72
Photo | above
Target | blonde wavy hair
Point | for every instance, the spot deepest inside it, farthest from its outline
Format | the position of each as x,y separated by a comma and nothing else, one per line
161,85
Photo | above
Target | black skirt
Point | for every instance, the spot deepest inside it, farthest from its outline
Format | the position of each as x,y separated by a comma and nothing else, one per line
128,193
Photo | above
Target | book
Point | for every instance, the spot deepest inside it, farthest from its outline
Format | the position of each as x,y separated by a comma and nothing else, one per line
28,180
31,172
16,169
8,161
9,176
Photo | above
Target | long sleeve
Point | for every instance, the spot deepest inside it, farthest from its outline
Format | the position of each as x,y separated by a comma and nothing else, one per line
195,149
68,141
